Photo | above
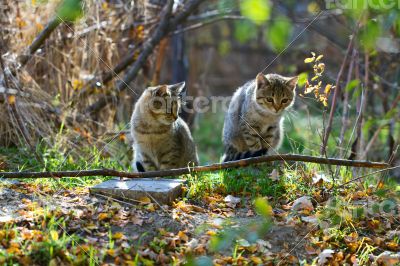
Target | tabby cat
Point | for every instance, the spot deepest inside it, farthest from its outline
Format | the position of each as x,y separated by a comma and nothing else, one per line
253,123
162,140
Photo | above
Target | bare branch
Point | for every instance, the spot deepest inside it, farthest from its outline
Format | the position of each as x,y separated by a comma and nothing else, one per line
166,25
335,97
197,169
39,40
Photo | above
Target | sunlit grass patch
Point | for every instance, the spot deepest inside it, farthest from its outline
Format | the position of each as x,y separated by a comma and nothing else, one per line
250,181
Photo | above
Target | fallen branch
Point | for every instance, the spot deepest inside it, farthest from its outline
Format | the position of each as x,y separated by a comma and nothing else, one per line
197,169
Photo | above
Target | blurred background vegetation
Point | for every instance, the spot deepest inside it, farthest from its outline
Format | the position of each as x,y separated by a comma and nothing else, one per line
66,67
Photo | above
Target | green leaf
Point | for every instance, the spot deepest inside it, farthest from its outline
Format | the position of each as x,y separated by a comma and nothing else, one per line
70,10
224,47
278,33
391,114
303,77
256,10
369,34
244,31
262,207
352,84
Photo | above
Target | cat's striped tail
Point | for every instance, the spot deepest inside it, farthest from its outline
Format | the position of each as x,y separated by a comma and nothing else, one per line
231,154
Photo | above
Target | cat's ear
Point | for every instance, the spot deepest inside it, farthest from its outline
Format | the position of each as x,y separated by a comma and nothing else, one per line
178,89
158,91
291,82
261,80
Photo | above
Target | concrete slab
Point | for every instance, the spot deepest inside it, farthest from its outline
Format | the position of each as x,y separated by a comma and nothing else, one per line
164,191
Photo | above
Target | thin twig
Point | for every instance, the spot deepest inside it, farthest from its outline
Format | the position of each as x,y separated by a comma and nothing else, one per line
346,105
362,176
335,98
197,169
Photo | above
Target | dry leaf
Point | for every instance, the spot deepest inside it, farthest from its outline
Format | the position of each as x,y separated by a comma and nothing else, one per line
145,200
118,235
324,256
303,203
274,175
11,99
387,258
102,216
182,236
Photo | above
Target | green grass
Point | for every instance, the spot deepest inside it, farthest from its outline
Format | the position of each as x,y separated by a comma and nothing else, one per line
55,160
251,181
207,134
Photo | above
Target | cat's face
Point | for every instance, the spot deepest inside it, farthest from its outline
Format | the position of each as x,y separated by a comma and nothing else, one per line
164,102
275,93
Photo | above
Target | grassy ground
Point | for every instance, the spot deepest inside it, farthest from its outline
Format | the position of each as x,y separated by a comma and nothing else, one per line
52,224
264,215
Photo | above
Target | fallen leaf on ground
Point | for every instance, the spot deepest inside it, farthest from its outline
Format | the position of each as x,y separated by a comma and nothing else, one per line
274,175
303,203
232,199
387,258
310,219
324,256
144,200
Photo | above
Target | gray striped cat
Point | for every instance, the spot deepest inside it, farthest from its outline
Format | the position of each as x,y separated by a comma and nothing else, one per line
253,123
162,140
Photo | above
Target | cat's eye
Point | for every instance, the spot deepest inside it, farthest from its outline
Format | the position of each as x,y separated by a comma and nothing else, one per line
269,99
285,100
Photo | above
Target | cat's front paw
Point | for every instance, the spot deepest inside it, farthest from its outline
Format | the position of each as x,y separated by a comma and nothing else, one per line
140,167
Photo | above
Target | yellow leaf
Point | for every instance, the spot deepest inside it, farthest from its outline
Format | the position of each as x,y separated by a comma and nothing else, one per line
122,137
54,235
309,60
328,88
102,216
118,235
77,84
145,200
256,260
319,57
151,207
39,26
211,233
182,236
111,252
392,246
313,7
321,67
20,22
11,99
13,250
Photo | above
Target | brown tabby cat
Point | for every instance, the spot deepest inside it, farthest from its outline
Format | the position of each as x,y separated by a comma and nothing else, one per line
253,123
162,140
